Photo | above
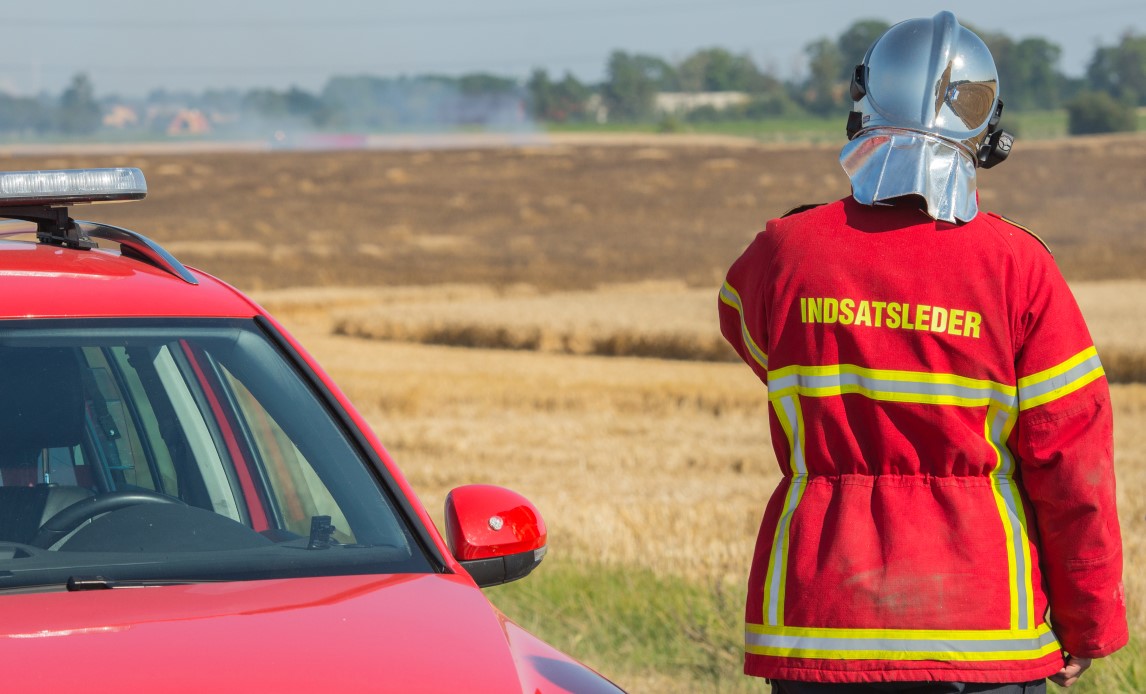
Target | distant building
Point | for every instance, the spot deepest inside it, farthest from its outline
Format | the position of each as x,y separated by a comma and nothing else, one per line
680,103
121,116
189,121
596,109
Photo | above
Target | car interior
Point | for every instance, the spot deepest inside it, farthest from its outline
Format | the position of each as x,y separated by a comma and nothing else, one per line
195,443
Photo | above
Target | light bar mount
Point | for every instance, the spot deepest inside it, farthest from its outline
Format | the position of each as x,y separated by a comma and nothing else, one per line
53,225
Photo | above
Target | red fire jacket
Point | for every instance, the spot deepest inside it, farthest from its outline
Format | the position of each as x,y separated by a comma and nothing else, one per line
943,425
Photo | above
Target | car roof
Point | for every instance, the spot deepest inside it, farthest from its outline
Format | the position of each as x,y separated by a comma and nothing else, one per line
40,280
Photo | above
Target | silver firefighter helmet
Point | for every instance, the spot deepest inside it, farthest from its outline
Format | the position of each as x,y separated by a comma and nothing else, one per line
926,117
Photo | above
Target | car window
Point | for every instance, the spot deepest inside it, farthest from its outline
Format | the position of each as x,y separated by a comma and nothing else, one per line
193,442
124,422
297,493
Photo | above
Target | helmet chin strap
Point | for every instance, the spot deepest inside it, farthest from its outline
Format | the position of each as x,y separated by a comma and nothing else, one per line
997,147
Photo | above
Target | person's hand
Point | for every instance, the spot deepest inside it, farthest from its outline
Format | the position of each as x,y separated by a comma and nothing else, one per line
1070,672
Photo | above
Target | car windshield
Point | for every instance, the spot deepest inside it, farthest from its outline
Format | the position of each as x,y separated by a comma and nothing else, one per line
179,450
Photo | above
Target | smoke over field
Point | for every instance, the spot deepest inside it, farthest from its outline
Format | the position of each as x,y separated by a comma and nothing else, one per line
544,318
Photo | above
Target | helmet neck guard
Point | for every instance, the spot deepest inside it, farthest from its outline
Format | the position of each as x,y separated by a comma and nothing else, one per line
885,164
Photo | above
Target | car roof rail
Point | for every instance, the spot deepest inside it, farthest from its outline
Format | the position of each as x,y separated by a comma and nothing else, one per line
54,227
136,245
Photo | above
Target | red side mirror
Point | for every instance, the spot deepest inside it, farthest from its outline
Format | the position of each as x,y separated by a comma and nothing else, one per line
495,533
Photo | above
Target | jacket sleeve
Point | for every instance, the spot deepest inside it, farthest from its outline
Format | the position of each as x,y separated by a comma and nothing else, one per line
743,313
1064,442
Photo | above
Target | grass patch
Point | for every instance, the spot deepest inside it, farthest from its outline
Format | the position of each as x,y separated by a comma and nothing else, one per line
778,130
634,625
1028,125
1048,125
649,632
1122,673
816,130
614,127
1037,125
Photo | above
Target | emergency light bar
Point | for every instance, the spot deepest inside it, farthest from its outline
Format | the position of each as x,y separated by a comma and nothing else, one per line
70,187
43,197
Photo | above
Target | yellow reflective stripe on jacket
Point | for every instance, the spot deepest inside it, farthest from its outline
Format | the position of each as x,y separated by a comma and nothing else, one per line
900,644
896,386
730,296
785,387
998,426
1061,380
791,420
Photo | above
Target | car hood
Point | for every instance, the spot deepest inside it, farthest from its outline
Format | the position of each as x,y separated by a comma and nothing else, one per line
408,633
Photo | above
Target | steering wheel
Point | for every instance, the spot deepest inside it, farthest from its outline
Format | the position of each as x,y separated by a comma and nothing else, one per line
72,517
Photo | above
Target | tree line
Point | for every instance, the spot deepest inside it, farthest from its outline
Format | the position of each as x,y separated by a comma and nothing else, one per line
1105,98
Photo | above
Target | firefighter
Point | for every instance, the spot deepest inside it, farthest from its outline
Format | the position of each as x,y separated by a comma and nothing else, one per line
936,406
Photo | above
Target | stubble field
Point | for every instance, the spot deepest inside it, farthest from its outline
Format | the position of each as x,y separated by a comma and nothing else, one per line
544,319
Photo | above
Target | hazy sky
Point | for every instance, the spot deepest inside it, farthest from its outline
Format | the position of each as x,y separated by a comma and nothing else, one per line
130,47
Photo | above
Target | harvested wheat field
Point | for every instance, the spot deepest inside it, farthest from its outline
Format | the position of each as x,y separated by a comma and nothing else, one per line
545,319
656,463
609,443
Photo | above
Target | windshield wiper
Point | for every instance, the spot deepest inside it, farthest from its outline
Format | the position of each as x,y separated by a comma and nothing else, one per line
77,583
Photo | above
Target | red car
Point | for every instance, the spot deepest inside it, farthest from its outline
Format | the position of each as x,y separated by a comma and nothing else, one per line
189,503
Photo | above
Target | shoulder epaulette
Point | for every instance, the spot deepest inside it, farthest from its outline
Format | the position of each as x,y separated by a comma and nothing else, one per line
801,208
1020,226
